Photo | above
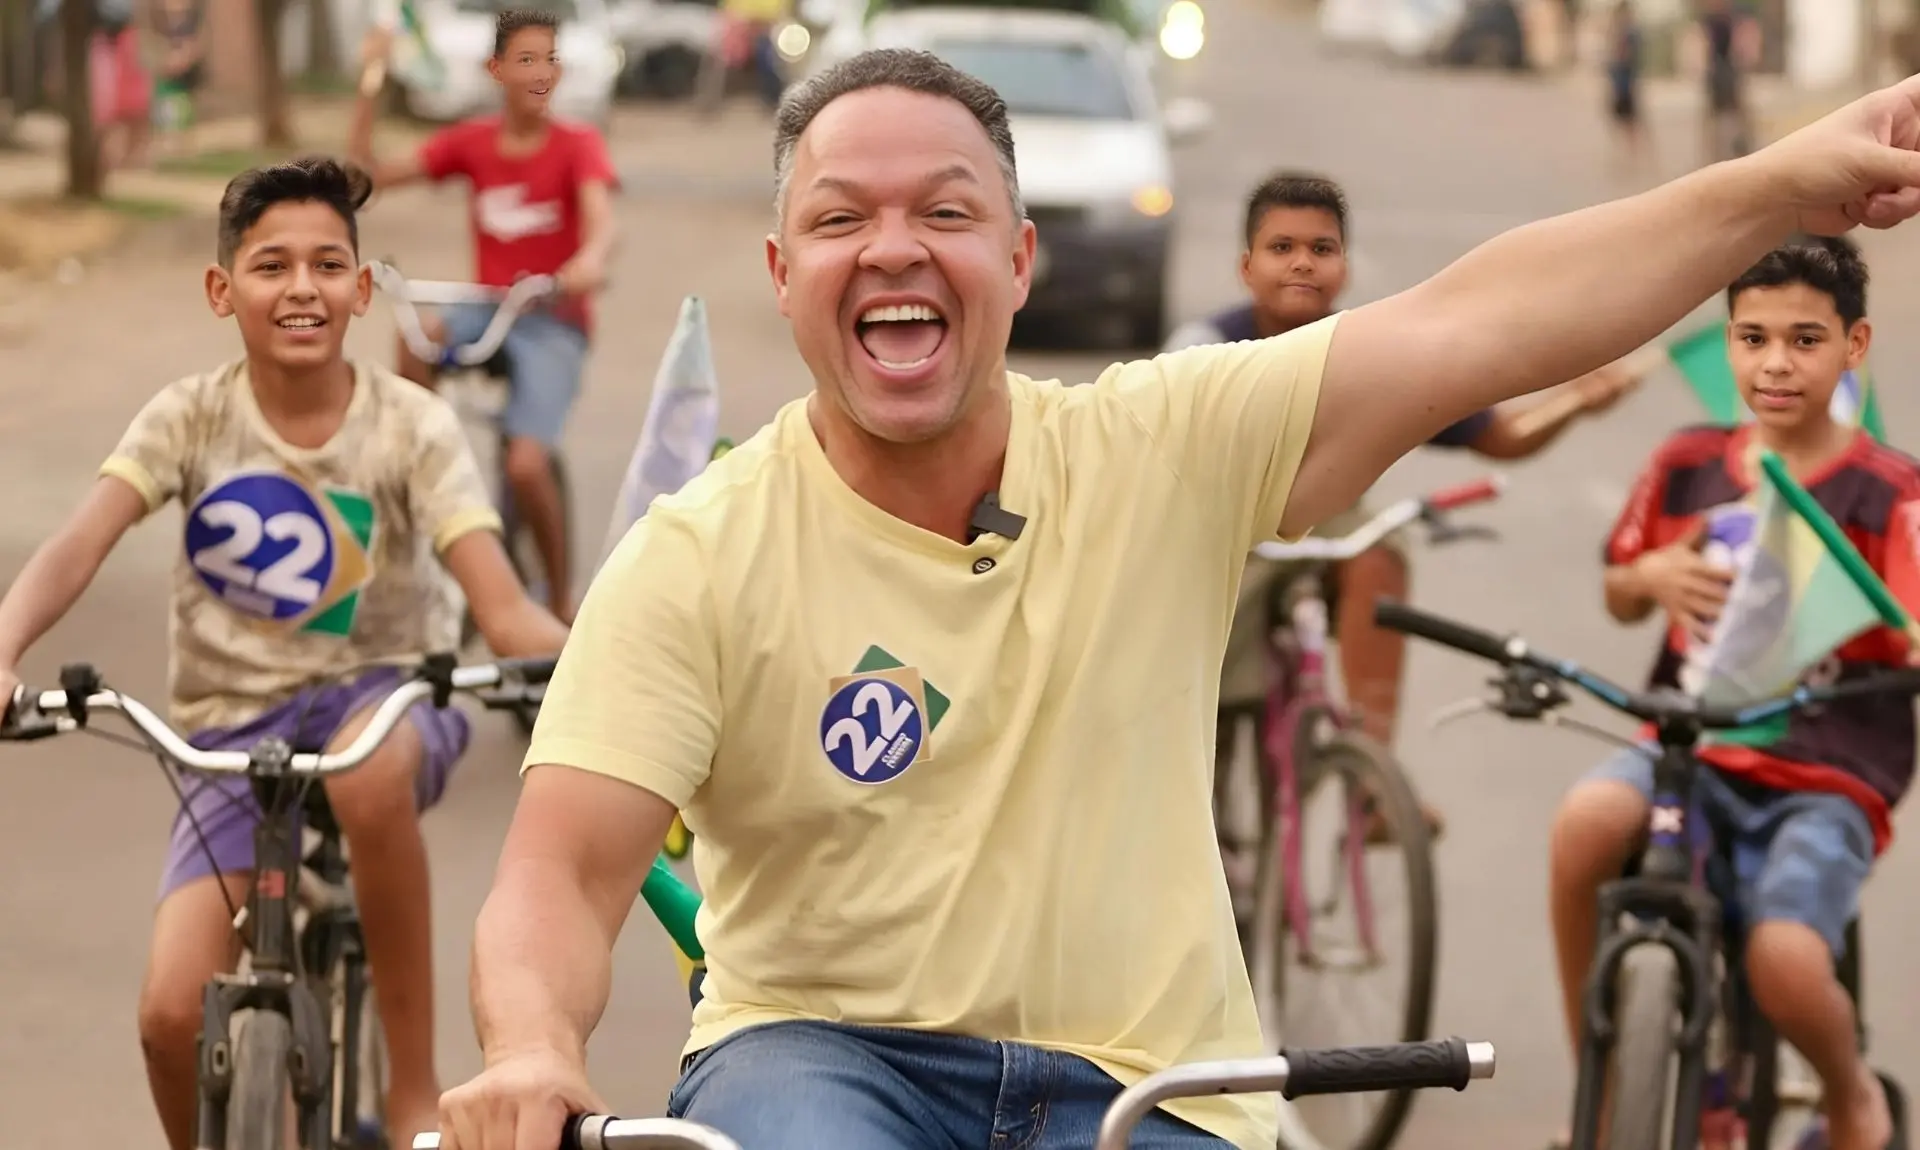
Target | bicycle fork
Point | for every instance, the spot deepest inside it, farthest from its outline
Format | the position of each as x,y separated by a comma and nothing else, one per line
1686,921
271,984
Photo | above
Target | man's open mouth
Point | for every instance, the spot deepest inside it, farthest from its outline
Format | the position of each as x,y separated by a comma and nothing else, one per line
301,323
901,337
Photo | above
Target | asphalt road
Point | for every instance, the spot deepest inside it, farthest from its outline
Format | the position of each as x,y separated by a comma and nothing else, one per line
1434,163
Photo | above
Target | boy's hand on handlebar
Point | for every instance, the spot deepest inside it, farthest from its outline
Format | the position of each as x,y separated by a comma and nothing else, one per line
584,274
1686,584
9,683
522,1100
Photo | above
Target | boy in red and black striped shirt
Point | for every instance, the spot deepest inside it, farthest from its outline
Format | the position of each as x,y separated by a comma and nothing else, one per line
1804,817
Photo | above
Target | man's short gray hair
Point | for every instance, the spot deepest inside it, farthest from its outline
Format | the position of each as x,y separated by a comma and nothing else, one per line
890,68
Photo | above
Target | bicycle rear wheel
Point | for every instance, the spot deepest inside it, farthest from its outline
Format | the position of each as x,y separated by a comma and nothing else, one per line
1641,1067
257,1106
1391,938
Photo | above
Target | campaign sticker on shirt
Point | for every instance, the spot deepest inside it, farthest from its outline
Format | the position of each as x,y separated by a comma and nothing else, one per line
271,547
874,725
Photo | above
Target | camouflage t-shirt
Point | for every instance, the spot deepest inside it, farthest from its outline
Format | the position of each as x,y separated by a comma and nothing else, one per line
301,563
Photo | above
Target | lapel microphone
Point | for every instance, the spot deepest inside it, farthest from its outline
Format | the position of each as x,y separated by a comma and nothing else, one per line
989,518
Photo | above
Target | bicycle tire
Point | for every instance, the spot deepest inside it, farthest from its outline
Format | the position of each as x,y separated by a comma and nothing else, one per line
257,1103
1363,761
1640,1068
360,1059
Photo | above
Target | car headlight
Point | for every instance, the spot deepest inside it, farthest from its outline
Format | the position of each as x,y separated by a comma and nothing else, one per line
1147,203
1183,31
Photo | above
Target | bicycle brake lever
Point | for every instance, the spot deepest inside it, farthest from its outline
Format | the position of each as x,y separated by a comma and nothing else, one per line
21,722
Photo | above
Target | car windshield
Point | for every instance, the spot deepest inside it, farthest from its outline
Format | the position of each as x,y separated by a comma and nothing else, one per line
1075,81
564,10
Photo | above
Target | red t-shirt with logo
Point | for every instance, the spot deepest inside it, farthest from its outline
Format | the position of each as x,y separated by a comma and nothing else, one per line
525,209
1862,748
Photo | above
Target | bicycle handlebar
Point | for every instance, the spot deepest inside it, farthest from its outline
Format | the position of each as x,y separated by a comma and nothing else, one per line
33,715
1441,1063
1428,507
1660,706
406,294
1444,1063
604,1132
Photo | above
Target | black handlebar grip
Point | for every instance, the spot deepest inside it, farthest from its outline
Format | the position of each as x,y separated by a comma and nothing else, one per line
530,670
570,1133
1413,621
1442,1062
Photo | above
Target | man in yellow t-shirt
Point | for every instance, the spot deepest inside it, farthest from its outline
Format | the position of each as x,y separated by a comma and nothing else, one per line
947,758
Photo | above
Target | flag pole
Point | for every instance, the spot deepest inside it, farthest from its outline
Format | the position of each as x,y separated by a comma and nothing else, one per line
1840,547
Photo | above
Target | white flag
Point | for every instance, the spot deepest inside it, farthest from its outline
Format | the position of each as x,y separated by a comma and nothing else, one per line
678,438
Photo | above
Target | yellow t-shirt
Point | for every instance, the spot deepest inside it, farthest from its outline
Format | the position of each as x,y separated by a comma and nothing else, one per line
961,788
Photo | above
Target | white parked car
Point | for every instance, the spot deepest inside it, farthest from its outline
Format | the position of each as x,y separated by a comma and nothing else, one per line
460,33
1091,142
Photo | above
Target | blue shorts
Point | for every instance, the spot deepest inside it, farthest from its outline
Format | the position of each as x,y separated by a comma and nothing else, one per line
546,357
1798,856
808,1085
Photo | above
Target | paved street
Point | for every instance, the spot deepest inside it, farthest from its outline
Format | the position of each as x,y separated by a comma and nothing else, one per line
1434,162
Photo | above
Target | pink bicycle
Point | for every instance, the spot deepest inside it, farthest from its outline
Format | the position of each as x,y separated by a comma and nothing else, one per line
1330,927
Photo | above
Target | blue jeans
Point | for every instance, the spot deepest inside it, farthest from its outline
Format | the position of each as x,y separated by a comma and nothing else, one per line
546,358
1798,856
814,1085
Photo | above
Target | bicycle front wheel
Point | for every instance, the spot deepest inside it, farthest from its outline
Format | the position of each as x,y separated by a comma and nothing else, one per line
1342,945
257,1106
1641,1067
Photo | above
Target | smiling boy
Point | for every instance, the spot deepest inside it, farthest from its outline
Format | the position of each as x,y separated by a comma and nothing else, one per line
542,205
320,495
1809,813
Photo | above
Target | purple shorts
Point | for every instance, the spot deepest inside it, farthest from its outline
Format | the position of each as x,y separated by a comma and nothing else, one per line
222,807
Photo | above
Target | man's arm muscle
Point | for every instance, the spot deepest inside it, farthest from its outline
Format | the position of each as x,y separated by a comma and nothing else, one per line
1524,311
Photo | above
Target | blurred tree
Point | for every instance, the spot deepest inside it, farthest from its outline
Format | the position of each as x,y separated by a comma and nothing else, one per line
276,121
84,174
323,50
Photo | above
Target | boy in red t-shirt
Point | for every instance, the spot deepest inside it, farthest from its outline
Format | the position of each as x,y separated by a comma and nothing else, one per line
542,205
1804,817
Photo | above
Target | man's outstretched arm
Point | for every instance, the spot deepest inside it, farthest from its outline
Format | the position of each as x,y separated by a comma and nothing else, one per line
1526,310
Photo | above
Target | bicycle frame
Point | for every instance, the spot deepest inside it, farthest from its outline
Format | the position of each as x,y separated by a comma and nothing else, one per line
276,977
1298,702
1674,902
1671,908
273,981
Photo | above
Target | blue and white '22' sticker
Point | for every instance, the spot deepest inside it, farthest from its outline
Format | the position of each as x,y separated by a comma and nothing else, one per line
872,730
260,543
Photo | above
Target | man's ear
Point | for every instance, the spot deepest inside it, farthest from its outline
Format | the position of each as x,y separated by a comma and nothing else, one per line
777,267
1025,245
363,290
220,291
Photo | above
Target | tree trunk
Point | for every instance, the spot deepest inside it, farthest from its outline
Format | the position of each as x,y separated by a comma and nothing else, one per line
276,124
323,52
84,177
